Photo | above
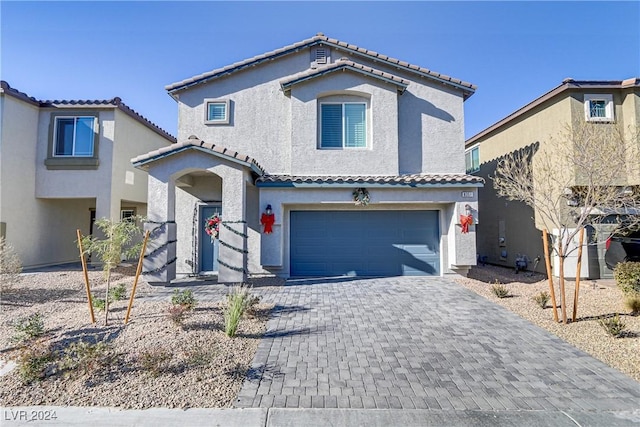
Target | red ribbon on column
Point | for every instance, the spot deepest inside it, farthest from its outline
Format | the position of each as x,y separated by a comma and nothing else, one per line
465,222
268,220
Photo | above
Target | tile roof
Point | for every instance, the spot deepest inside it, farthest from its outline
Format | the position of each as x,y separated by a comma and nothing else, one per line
341,65
414,180
194,143
96,103
320,39
567,84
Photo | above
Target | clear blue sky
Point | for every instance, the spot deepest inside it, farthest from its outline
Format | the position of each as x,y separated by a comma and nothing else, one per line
513,51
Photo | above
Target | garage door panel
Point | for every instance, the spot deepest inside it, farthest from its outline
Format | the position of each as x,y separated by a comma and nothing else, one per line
364,243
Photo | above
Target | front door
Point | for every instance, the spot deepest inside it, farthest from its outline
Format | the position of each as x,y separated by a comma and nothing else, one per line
209,248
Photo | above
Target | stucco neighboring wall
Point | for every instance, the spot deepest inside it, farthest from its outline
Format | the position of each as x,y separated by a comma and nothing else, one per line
131,139
18,206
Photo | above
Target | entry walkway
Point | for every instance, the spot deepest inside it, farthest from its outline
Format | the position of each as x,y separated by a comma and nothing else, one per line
419,343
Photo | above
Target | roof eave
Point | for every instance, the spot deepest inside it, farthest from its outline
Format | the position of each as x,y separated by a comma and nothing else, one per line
286,87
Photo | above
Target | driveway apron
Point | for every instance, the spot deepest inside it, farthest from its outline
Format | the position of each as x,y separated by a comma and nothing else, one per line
419,343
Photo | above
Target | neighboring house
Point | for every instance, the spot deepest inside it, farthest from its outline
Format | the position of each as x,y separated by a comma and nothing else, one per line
320,123
508,228
65,163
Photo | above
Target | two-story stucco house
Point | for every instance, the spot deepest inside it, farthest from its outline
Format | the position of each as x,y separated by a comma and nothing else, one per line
359,157
510,228
65,163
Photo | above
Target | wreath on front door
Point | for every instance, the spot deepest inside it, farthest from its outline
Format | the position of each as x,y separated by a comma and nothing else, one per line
212,226
361,197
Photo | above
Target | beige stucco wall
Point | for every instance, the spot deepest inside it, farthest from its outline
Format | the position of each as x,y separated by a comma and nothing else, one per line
43,208
17,174
511,221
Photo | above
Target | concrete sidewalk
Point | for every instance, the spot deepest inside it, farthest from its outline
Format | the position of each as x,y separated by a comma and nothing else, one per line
268,417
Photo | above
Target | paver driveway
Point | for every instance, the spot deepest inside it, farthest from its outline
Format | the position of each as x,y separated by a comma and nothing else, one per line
419,343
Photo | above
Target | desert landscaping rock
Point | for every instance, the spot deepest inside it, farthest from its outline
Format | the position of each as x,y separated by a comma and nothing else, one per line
597,298
205,369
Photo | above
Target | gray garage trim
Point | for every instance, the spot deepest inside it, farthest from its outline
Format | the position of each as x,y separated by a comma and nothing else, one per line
364,243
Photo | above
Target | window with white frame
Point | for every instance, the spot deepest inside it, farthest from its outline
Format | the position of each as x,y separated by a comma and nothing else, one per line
343,125
74,136
472,159
217,111
598,107
127,214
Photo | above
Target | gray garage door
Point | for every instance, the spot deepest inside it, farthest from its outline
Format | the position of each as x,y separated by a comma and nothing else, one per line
365,243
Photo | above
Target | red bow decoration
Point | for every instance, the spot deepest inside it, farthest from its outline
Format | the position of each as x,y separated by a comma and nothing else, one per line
268,220
465,222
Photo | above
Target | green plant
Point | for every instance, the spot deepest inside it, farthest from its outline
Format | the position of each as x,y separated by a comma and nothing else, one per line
614,326
98,303
184,298
86,356
238,300
34,361
118,293
627,275
155,361
542,299
116,245
10,266
177,313
633,304
200,356
29,328
500,290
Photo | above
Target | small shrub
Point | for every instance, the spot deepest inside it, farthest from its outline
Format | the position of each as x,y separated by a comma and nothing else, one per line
86,356
177,313
34,361
98,303
500,290
627,275
614,326
154,361
238,301
10,266
29,328
200,356
542,299
253,301
633,304
118,293
184,298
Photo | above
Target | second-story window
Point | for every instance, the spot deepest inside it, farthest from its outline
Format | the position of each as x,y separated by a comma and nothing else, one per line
598,108
216,111
343,125
472,159
74,136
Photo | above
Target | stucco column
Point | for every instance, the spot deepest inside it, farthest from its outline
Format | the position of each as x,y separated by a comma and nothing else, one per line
232,262
160,259
462,246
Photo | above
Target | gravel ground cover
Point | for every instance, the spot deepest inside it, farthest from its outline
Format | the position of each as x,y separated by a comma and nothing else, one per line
597,299
151,362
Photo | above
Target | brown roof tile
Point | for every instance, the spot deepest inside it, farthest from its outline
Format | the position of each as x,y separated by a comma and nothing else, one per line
99,103
318,39
390,180
567,84
194,142
344,64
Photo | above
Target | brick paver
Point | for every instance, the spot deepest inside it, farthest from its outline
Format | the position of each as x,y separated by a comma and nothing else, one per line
419,343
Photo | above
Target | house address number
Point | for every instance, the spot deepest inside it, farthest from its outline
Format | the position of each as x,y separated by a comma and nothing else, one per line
467,194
